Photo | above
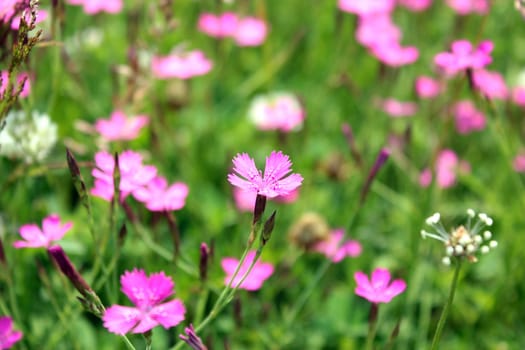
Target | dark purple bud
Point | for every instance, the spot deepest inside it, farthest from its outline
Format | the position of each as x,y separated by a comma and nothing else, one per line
258,210
122,233
203,261
192,339
380,161
64,264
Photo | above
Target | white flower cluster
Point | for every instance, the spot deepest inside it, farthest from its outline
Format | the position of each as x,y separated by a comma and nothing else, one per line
27,137
463,241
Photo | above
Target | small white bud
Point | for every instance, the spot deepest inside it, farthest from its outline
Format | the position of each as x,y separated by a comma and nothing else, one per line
485,219
446,261
424,234
471,248
459,249
465,239
471,213
484,249
487,235
450,250
493,244
434,219
478,239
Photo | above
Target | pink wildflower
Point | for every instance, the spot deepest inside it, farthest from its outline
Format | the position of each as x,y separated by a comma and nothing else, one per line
393,54
34,237
7,8
519,163
276,180
468,118
158,196
378,289
377,29
365,8
518,96
220,26
147,293
8,336
250,31
92,7
427,87
415,5
397,108
183,65
446,166
245,200
41,15
425,177
464,56
259,273
133,174
334,250
464,7
19,79
490,84
120,127
277,111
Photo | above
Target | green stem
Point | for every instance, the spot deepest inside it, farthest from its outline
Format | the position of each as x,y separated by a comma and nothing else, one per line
444,314
372,326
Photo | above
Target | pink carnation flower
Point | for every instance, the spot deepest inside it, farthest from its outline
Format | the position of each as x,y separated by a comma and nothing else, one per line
427,87
158,196
250,31
260,272
378,289
92,7
490,84
334,250
519,163
465,7
377,29
276,181
468,118
366,8
518,96
7,8
398,109
463,56
120,127
133,174
221,26
415,5
148,294
41,16
19,79
446,167
393,54
277,111
8,336
245,200
180,65
34,237
425,177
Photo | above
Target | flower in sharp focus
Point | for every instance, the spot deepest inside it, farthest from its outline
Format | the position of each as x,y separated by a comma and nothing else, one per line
334,250
36,237
260,272
465,241
277,111
463,56
8,336
180,65
148,294
378,288
276,181
133,174
121,127
158,196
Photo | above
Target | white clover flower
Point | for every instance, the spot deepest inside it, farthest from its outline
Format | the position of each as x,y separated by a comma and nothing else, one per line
277,111
27,137
464,241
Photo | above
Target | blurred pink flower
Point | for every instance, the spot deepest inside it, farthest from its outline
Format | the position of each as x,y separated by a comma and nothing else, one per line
425,177
261,272
468,118
218,26
245,200
277,111
465,7
8,336
490,84
446,167
415,5
7,8
19,79
276,181
158,196
41,16
180,65
427,87
393,54
365,8
519,163
397,108
133,174
148,294
518,96
377,29
92,7
334,250
34,237
463,56
378,289
120,127
250,31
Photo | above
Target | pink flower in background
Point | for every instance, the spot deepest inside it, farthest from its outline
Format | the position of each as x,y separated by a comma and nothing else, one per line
250,31
427,87
8,336
490,84
277,111
277,180
133,174
41,16
446,167
92,7
182,65
120,127
19,79
245,200
220,26
158,196
334,250
463,56
468,118
397,108
366,8
415,5
518,96
7,9
519,163
148,294
378,289
393,54
34,237
465,7
425,177
261,272
377,29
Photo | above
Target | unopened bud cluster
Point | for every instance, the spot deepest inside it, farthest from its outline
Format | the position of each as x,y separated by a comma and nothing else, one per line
466,240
